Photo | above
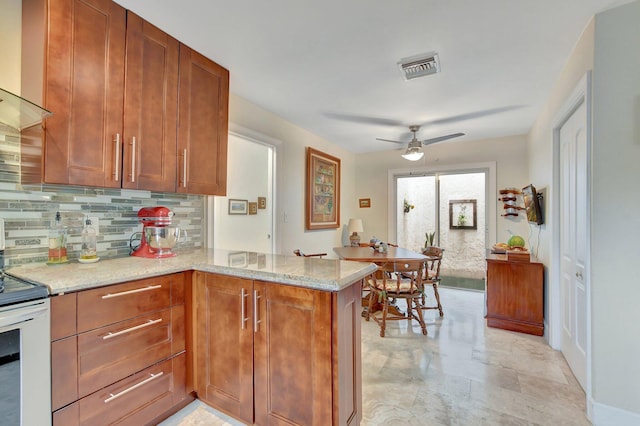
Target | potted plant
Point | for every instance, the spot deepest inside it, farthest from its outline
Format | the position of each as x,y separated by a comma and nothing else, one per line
430,238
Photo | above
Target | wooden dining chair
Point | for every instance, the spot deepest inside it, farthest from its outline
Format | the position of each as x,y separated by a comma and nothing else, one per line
432,275
297,252
398,280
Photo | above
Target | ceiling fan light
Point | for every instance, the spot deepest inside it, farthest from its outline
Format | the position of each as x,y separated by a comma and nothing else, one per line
413,154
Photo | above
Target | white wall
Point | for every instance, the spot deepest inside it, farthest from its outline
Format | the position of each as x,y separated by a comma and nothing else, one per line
290,178
10,40
509,154
541,161
609,46
615,237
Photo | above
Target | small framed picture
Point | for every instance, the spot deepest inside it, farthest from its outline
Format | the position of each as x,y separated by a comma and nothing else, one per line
238,206
462,214
253,207
262,202
365,203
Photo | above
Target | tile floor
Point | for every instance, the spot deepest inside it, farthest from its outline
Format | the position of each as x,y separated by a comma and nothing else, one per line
462,373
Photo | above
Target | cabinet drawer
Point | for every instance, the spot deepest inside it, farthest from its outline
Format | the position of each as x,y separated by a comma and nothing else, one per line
138,399
108,354
107,305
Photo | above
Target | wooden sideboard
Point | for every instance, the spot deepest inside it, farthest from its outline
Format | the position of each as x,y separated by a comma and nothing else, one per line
515,294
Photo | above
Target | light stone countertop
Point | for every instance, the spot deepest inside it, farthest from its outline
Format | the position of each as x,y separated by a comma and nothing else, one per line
319,274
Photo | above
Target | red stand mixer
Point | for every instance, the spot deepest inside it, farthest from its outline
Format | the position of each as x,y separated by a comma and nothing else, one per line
158,237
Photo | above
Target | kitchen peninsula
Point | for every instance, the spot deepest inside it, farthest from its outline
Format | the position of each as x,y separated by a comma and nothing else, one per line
258,336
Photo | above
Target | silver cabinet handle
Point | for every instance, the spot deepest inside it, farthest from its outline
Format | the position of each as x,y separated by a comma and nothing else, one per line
111,335
137,385
256,319
184,168
116,172
133,159
137,290
243,308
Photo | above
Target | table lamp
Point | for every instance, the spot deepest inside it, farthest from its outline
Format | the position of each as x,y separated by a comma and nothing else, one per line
355,226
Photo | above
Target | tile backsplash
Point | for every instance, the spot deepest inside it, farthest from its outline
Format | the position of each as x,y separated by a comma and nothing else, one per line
29,210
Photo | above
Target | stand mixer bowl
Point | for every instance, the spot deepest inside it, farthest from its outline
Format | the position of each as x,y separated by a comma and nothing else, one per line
163,239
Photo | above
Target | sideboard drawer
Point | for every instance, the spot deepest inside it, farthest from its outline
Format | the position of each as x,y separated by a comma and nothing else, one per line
137,399
110,353
106,305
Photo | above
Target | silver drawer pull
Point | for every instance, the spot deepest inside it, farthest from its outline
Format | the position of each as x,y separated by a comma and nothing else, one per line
137,290
137,385
111,335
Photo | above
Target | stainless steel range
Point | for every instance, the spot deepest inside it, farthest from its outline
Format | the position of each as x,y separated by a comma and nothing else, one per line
25,354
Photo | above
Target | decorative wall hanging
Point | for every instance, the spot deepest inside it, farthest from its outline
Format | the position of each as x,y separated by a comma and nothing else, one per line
262,202
462,214
323,191
238,206
365,203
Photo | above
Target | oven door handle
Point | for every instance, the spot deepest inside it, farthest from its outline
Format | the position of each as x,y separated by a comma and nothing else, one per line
20,315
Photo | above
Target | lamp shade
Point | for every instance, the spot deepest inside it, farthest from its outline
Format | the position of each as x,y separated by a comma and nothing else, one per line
413,154
355,225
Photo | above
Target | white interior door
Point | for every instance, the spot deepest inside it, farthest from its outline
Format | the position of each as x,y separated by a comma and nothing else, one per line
574,210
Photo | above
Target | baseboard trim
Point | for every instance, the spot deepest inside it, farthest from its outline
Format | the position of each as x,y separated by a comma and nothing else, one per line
606,415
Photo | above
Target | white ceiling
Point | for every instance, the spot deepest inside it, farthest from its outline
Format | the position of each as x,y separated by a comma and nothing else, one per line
330,66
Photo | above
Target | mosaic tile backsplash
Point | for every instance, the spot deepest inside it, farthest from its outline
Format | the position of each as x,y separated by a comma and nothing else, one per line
29,211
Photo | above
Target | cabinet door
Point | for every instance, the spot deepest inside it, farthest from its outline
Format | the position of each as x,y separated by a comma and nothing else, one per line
224,344
292,359
203,114
150,108
84,88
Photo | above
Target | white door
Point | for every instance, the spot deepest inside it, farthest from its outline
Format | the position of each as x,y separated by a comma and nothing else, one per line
574,212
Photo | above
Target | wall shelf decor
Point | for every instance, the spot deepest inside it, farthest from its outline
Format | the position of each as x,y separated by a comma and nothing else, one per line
323,190
509,198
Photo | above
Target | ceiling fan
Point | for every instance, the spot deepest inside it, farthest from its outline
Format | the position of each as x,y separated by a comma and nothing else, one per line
414,149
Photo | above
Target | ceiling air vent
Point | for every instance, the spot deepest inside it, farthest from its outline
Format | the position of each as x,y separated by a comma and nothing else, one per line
419,65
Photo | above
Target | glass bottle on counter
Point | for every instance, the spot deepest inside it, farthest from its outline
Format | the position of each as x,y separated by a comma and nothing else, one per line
88,242
57,242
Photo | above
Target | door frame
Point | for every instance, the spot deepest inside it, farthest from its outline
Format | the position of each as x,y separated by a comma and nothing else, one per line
276,146
489,168
582,93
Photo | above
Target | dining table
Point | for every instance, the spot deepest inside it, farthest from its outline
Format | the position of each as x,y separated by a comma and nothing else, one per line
366,253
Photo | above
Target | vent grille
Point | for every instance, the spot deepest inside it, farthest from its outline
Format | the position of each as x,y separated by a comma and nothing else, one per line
419,66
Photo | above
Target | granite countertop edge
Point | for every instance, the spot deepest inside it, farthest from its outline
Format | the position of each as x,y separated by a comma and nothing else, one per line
319,274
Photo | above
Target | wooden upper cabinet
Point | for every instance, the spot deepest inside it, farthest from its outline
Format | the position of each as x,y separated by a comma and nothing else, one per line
150,108
203,114
112,80
83,72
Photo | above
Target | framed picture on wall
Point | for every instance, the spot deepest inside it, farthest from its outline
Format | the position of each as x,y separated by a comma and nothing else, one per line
462,214
323,191
364,203
238,206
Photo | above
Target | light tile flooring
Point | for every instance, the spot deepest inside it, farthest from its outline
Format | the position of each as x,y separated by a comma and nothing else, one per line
462,373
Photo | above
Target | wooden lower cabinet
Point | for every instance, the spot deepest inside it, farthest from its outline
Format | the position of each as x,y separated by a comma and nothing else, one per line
275,354
131,369
515,295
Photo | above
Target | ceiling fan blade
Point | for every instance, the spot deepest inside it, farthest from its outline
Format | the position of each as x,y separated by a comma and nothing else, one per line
389,140
471,115
364,119
441,138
